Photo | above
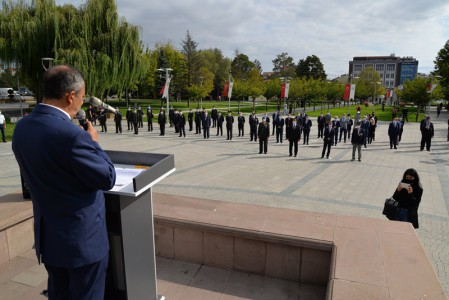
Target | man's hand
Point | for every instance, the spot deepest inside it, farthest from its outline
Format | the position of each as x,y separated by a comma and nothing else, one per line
92,131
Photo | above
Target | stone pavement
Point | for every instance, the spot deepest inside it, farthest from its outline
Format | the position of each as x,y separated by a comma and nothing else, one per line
217,169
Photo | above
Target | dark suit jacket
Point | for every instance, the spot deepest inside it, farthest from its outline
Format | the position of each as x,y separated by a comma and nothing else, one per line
263,132
295,133
205,122
67,173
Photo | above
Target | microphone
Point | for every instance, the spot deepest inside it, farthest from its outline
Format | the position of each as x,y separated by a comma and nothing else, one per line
98,103
81,117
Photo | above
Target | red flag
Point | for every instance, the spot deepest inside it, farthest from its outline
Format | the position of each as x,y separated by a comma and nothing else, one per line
347,90
225,89
162,90
283,90
388,94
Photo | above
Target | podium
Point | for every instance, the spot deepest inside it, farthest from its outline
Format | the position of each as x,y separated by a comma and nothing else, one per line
129,217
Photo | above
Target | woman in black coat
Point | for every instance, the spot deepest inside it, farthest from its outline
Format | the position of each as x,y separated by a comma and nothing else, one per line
408,194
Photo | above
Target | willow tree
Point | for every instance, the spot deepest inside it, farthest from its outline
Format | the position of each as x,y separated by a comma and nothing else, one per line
27,34
92,38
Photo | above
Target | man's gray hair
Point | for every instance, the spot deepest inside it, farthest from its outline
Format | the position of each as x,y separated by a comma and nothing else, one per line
60,80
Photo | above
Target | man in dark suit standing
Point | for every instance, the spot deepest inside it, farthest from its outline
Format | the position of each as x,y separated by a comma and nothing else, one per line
427,132
263,132
288,126
198,120
161,120
229,122
118,121
279,128
214,116
253,123
295,136
190,119
220,121
129,120
150,117
321,121
66,179
206,122
329,133
241,124
307,124
393,131
181,124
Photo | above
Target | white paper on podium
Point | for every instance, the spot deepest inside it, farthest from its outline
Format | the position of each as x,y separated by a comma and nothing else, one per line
124,176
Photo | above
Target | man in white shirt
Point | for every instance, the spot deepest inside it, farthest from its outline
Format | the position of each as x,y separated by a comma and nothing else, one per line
3,126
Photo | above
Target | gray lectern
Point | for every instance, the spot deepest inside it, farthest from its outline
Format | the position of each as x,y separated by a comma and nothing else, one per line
129,218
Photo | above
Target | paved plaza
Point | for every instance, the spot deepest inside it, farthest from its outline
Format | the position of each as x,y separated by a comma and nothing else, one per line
218,169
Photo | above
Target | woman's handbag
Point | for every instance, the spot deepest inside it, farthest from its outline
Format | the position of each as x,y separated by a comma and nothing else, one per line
390,208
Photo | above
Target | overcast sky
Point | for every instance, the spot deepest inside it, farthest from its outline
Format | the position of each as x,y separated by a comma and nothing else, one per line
335,31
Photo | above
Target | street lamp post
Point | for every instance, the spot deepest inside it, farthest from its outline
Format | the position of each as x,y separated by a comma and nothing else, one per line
375,90
201,98
229,98
168,78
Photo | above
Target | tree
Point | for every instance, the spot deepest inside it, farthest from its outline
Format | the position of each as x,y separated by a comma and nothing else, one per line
284,65
192,57
415,91
241,66
272,89
215,62
311,67
442,69
366,83
91,38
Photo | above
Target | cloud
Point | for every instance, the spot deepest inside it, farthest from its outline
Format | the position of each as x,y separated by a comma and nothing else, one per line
335,31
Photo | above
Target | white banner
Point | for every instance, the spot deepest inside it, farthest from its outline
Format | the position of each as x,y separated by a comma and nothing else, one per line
287,88
167,86
352,92
231,84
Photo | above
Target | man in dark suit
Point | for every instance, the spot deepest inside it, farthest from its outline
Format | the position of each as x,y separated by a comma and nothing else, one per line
66,179
198,120
190,120
181,124
220,121
129,120
295,136
307,124
263,132
427,132
206,122
329,133
118,121
161,119
253,123
321,121
241,124
393,131
357,140
135,117
214,116
229,122
150,117
140,117
288,126
279,128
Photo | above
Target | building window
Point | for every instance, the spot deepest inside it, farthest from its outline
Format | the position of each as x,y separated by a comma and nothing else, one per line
381,75
368,65
392,76
387,75
357,68
379,67
391,67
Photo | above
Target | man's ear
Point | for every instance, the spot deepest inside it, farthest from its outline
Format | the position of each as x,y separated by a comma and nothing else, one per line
70,97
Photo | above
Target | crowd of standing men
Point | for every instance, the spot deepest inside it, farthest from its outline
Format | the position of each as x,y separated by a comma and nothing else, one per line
359,131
